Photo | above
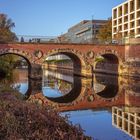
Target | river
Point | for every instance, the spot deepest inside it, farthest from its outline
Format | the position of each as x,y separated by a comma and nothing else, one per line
106,107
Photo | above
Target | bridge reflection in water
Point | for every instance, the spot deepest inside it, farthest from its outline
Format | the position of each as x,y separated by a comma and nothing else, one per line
74,93
116,95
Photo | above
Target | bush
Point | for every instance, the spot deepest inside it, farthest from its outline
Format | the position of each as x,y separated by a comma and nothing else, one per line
23,120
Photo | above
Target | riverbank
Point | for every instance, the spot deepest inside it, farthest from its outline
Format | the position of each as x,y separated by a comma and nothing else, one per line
23,120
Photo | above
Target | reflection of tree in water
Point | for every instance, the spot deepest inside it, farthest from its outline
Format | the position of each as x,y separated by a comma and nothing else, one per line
7,90
8,63
63,86
9,83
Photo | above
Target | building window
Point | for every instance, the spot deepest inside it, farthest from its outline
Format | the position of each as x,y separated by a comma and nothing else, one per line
125,18
120,11
132,16
138,22
115,22
131,129
115,13
138,30
125,34
132,6
138,132
125,115
132,33
115,29
120,28
132,24
138,14
125,26
120,21
138,4
126,8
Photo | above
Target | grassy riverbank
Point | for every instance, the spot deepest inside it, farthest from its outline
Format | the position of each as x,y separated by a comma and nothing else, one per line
23,120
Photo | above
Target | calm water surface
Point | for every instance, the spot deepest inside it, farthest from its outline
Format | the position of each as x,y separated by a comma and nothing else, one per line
106,107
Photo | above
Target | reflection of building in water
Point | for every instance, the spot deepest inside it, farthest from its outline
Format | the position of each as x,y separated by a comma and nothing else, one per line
64,87
127,121
57,81
56,75
98,87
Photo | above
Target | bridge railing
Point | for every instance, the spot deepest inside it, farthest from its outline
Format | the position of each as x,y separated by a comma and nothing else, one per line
36,39
61,40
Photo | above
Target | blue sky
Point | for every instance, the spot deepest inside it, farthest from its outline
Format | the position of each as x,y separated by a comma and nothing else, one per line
53,17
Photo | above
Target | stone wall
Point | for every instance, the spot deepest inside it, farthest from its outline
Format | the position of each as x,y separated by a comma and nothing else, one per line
132,60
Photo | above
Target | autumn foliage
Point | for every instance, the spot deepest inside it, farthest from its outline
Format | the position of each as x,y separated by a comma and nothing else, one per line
6,25
21,120
105,33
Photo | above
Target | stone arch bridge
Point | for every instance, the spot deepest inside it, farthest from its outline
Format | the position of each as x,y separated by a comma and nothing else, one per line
84,56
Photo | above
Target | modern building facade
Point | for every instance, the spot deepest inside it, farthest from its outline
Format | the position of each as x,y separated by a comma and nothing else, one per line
126,20
84,32
126,121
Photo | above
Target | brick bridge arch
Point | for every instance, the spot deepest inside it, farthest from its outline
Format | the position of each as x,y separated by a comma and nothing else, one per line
80,64
30,59
113,57
85,53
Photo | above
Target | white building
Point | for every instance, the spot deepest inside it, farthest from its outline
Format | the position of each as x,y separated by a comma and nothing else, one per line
126,19
58,57
85,31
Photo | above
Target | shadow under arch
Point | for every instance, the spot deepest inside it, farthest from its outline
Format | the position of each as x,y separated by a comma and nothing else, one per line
107,63
72,95
110,91
79,62
111,86
35,87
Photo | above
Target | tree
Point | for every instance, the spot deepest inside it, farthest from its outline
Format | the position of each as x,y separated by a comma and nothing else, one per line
6,25
8,63
105,33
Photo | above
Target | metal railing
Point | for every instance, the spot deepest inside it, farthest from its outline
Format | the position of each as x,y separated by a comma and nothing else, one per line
61,40
36,39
